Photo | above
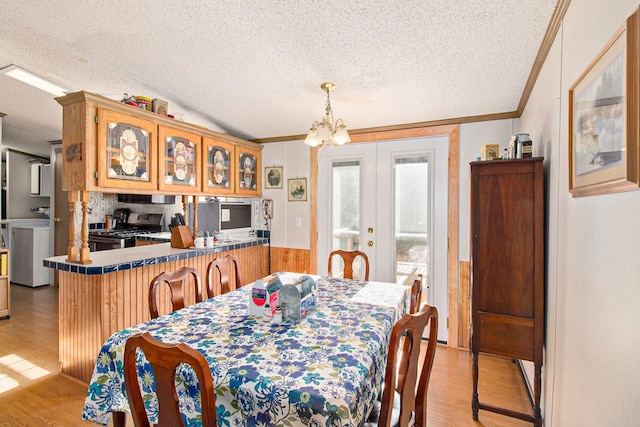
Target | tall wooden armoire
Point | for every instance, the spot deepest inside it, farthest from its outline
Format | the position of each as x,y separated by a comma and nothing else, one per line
507,267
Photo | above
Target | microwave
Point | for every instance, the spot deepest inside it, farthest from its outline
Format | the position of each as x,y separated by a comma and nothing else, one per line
228,217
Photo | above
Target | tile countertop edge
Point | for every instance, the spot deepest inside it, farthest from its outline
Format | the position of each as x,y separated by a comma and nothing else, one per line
139,256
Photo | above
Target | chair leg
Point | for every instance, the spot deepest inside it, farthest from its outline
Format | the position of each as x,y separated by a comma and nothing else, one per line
119,419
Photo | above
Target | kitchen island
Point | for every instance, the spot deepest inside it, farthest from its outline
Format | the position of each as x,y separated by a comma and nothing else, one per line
111,293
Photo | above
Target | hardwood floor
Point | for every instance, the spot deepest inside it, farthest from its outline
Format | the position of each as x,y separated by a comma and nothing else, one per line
34,393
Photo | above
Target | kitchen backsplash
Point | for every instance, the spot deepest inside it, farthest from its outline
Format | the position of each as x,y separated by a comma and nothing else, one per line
102,204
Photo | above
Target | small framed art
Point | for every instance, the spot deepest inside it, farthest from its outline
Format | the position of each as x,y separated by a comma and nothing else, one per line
297,189
273,177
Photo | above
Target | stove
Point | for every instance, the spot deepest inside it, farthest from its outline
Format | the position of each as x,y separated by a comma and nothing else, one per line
128,225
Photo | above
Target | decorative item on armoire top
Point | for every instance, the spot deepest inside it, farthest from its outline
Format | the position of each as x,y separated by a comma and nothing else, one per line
489,152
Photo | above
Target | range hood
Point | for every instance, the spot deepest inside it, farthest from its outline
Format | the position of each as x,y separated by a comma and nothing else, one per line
147,199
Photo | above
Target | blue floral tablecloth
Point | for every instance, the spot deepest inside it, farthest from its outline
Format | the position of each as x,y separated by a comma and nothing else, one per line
324,371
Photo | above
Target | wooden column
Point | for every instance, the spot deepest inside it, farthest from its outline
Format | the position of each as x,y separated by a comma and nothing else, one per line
72,249
185,210
85,256
195,217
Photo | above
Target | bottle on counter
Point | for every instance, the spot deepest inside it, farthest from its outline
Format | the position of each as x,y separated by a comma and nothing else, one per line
208,239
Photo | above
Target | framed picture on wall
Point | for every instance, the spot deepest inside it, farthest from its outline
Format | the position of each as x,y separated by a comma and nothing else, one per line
273,177
297,189
603,118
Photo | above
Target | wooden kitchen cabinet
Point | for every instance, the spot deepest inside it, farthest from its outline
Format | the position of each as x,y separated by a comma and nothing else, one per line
111,147
126,151
248,179
5,292
179,161
92,162
507,264
218,167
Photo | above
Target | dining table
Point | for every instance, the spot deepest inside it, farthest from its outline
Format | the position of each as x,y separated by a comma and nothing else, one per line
323,370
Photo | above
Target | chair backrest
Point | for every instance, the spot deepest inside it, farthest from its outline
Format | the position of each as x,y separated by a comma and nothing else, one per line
164,360
348,257
416,296
223,266
407,336
176,281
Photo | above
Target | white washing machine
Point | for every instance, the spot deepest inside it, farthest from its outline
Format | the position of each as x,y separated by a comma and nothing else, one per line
30,246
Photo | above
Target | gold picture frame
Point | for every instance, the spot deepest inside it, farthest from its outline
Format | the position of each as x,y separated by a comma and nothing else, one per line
297,189
603,118
273,177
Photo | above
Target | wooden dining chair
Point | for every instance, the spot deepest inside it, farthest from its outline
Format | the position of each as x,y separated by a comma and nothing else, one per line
348,258
224,268
164,360
416,296
400,401
176,281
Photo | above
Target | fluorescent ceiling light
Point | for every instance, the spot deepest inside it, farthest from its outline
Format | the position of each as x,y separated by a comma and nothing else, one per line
33,80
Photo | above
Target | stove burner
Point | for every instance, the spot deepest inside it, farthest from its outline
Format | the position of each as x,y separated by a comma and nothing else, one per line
119,234
128,226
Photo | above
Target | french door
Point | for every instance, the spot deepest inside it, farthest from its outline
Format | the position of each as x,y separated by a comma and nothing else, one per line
389,200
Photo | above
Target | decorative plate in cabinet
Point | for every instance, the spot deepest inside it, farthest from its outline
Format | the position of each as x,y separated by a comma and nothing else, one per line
126,154
218,167
248,173
179,169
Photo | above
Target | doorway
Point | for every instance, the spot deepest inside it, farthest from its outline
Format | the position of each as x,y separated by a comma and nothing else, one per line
60,210
380,198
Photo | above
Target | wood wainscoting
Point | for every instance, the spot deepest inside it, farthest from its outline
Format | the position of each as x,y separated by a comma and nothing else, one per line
93,307
290,259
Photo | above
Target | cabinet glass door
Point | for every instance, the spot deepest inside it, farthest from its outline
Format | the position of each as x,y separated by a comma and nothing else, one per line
248,173
179,162
218,167
125,155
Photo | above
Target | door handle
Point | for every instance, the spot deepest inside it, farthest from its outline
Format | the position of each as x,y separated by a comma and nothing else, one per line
370,243
370,230
56,219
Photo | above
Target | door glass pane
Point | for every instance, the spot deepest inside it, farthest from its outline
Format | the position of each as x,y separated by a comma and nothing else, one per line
345,215
181,161
411,229
127,152
218,167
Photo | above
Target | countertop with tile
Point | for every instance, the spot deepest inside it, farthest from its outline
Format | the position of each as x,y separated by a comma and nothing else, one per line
140,256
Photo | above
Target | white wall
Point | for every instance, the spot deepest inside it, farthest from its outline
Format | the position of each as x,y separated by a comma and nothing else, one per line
472,137
290,224
592,367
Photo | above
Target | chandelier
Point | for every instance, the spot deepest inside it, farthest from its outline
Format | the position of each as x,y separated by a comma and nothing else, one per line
324,133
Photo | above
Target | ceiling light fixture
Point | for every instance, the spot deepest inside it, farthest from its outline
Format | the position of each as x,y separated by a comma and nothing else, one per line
33,80
324,133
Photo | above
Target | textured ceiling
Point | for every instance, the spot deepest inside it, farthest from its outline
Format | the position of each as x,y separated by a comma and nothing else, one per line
253,68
